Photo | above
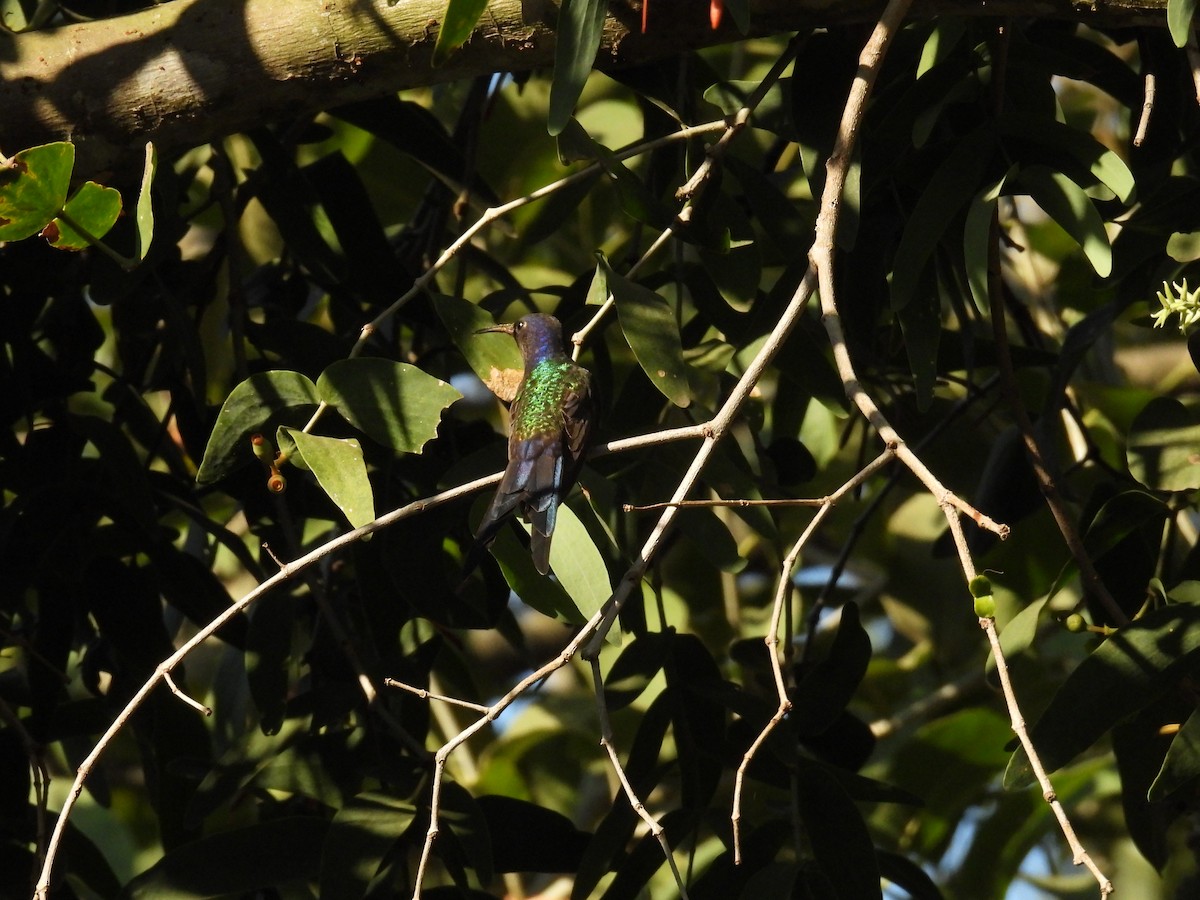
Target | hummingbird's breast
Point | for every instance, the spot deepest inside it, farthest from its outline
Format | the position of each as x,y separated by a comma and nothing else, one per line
538,407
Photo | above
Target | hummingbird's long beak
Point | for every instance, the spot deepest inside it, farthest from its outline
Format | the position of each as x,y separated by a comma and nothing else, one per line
506,328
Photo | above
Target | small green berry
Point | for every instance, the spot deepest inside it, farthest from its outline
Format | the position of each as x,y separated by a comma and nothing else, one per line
985,607
980,586
1075,622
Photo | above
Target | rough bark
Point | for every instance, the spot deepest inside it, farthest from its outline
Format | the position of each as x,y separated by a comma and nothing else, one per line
188,71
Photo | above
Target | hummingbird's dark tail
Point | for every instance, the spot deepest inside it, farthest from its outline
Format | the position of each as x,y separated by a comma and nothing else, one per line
533,486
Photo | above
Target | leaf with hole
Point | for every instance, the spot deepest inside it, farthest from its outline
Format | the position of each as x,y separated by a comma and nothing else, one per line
33,189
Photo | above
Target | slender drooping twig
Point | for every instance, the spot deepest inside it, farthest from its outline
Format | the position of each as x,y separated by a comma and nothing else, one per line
782,593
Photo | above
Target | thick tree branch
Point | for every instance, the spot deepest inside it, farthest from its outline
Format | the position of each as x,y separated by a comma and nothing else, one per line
188,71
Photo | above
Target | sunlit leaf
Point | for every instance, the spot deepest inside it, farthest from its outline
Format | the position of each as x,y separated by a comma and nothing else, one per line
496,360
1179,20
457,24
578,565
33,188
145,205
398,405
338,466
93,208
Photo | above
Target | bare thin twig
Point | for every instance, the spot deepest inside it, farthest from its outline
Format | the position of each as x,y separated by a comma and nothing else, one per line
606,741
782,591
429,695
194,704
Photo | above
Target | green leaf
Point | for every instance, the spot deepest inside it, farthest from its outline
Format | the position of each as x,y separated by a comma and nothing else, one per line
649,325
1119,517
1019,633
359,837
1179,20
497,362
338,466
639,664
544,594
396,404
574,143
578,565
1182,765
33,189
824,689
580,26
1067,204
457,24
241,860
1041,140
258,405
145,206
1162,448
977,237
838,835
92,209
1128,671
950,189
268,658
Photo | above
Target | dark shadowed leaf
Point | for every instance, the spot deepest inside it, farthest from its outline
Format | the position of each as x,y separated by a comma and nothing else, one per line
638,665
649,325
277,852
257,405
1127,672
359,837
529,838
1182,765
839,837
1164,446
824,689
580,25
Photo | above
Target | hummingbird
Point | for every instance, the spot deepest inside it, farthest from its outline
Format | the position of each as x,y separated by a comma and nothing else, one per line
550,422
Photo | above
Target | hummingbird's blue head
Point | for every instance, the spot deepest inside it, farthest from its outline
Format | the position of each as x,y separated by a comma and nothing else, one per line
538,336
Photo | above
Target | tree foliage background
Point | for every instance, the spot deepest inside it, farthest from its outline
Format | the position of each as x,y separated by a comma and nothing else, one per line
1008,171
